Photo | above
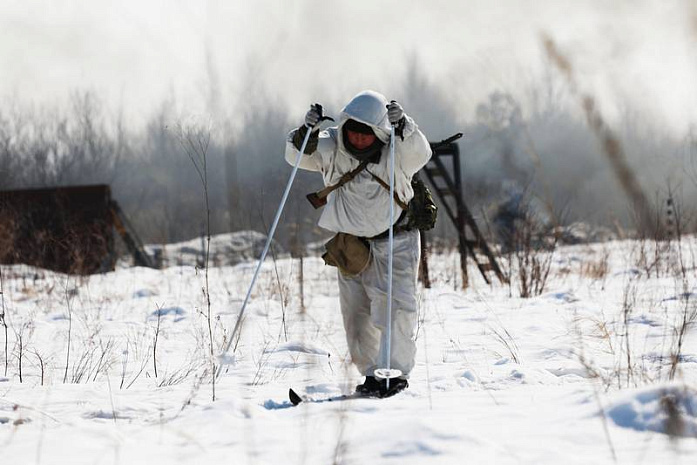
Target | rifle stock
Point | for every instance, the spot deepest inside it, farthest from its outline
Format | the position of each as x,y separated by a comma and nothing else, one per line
316,200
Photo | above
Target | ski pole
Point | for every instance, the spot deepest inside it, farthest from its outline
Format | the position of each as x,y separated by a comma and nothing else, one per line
238,324
387,373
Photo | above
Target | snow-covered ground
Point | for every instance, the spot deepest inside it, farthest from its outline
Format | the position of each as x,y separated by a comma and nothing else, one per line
579,374
224,250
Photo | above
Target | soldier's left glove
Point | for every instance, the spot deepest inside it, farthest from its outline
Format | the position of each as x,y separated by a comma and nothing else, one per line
395,114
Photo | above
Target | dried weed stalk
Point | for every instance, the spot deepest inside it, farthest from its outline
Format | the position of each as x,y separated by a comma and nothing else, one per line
3,319
195,140
611,145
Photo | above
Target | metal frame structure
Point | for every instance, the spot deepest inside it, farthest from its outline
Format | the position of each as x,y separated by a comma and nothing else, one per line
443,172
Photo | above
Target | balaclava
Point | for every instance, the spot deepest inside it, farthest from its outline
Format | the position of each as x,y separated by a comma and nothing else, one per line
371,152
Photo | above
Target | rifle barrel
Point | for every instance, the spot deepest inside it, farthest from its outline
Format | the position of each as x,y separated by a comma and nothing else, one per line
447,141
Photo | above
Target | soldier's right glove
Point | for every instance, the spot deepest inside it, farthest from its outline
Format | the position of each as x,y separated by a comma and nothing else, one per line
314,116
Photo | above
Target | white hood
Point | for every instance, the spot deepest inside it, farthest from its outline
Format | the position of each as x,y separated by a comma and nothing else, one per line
368,107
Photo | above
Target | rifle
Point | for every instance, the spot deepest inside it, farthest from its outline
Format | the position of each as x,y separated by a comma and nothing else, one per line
319,199
436,145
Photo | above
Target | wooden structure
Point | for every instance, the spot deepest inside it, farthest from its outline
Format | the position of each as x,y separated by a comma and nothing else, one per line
443,173
64,229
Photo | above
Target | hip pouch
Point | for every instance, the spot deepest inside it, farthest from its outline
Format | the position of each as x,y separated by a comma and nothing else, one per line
349,253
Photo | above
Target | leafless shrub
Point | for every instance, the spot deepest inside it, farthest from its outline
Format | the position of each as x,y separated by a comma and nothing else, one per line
23,337
42,365
178,375
650,257
94,358
140,351
195,140
261,362
533,254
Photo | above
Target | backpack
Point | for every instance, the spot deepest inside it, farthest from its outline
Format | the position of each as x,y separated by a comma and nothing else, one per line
422,211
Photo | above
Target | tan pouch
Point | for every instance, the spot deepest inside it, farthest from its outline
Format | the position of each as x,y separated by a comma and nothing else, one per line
348,253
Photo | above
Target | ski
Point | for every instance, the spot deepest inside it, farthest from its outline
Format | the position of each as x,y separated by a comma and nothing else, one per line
296,399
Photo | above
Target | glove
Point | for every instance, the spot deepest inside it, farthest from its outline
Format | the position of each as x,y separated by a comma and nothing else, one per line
395,112
312,119
313,115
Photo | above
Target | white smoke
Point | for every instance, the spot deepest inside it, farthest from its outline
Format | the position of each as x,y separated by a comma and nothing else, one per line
135,54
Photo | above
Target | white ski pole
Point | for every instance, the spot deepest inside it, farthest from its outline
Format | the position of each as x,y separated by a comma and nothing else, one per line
387,373
238,324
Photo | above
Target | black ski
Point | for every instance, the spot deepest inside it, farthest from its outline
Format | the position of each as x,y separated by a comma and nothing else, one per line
295,398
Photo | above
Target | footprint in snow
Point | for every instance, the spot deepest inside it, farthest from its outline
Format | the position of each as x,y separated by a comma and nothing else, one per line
174,311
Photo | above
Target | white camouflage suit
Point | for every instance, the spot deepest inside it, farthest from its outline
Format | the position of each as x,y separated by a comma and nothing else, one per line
361,208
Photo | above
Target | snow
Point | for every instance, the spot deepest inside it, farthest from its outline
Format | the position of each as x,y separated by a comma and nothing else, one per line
564,377
646,410
225,250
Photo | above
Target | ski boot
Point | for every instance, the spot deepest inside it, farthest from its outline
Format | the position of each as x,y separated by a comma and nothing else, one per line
396,385
371,387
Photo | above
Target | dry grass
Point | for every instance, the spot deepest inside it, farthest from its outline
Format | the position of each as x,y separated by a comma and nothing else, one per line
610,143
597,269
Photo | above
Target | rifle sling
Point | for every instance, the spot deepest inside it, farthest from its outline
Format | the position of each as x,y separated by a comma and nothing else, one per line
344,179
352,174
402,205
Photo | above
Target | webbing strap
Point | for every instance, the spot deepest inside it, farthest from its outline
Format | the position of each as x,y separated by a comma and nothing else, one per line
402,205
351,175
344,179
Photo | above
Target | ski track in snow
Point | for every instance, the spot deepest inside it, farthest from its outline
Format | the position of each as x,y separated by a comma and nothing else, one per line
499,379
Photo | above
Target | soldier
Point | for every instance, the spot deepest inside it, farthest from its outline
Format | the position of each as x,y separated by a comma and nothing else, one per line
353,159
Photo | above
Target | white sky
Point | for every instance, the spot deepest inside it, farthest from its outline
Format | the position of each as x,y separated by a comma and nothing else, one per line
640,55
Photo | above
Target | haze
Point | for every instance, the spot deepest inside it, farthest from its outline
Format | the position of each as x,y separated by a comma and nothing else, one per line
135,54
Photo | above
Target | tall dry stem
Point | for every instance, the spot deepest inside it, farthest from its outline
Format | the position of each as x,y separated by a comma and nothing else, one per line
628,304
610,143
2,318
155,338
68,297
195,139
